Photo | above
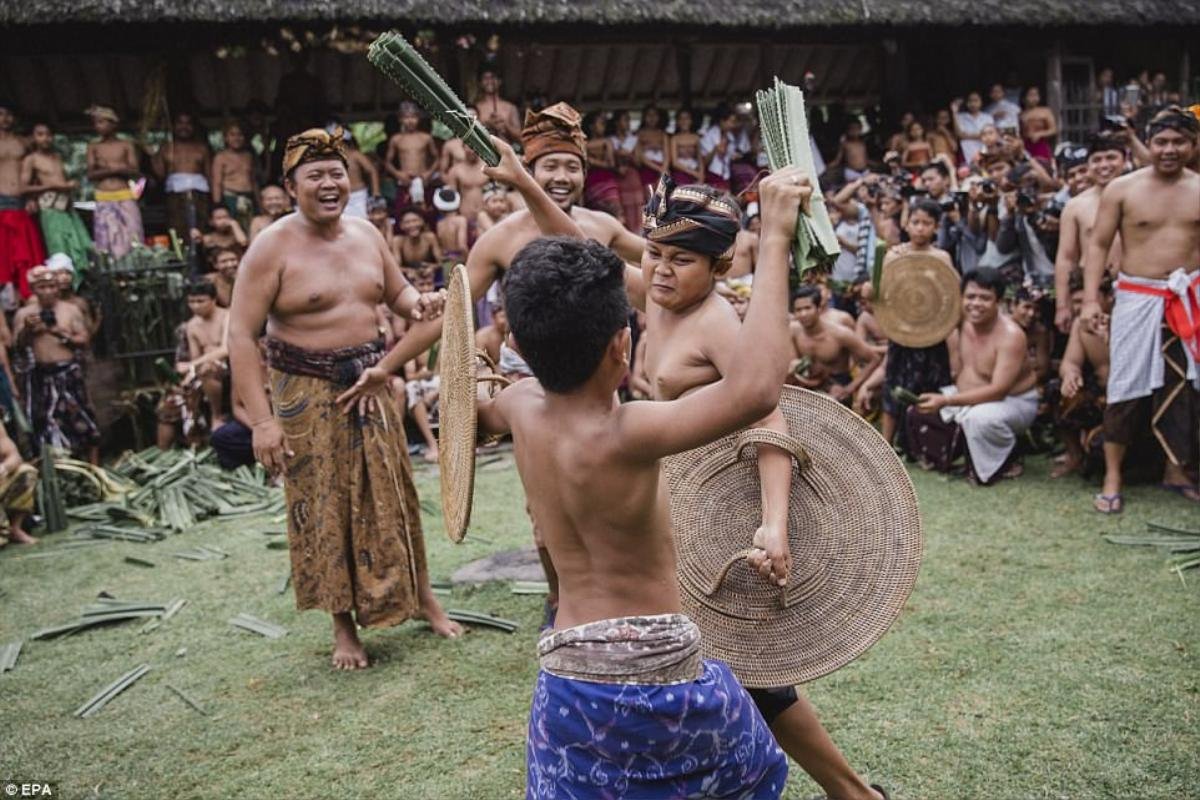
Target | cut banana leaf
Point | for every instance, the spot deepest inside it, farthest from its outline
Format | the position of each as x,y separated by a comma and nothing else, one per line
182,695
9,654
479,618
112,690
259,626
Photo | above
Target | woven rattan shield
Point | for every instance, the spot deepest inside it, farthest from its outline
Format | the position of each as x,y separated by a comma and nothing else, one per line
854,531
918,303
459,365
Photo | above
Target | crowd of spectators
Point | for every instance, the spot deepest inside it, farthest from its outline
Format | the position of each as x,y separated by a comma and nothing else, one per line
982,184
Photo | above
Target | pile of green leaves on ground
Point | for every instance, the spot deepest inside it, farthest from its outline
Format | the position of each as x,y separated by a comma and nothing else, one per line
170,491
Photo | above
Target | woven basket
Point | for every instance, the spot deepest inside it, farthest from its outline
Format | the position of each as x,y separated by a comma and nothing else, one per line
919,301
855,536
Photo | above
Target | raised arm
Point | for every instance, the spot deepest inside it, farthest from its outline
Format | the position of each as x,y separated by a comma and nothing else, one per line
750,389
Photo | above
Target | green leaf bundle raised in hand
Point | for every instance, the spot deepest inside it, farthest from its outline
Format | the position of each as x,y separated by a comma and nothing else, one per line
395,57
785,137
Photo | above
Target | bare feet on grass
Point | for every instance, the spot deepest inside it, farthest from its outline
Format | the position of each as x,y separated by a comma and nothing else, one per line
348,652
18,536
431,455
433,613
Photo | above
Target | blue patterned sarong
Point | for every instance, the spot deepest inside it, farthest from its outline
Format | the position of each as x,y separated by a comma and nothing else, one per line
691,732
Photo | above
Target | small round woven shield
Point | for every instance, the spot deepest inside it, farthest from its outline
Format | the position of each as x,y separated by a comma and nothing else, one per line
456,436
919,302
855,537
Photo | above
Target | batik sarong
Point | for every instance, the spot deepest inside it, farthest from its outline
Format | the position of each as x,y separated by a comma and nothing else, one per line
626,708
240,206
117,222
20,245
57,405
354,526
16,496
917,369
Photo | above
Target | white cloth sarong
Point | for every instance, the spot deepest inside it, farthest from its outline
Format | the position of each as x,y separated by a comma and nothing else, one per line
1135,339
357,205
991,429
181,182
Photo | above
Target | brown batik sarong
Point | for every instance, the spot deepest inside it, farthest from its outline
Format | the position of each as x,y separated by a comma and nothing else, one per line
16,496
354,526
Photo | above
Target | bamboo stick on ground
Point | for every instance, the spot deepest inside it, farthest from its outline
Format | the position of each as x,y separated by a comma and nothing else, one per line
112,690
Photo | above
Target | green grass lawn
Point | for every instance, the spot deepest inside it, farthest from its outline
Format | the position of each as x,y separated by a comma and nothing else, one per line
1034,660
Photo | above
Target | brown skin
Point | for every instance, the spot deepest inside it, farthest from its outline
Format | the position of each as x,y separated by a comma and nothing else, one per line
685,144
363,174
233,167
274,203
490,338
224,231
12,152
495,208
315,279
225,266
468,178
453,152
595,486
417,246
410,153
42,170
497,114
452,233
1084,347
994,362
10,462
1156,210
1075,231
92,316
208,351
830,347
185,152
111,162
1025,314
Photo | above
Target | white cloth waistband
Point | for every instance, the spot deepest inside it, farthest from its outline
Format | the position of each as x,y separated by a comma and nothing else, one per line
180,182
1135,339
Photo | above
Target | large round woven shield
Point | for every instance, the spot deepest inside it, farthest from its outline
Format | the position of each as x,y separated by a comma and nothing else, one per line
919,302
854,532
456,403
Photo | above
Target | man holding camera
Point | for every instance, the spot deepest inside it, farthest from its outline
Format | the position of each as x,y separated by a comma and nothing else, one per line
52,331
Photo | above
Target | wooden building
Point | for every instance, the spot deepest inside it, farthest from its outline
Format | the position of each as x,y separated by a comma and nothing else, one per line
226,57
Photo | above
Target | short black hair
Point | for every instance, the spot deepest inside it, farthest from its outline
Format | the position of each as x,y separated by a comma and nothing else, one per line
808,291
927,206
941,168
986,278
202,288
565,298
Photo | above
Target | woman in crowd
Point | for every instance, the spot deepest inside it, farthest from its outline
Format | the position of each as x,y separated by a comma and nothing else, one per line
1039,126
625,146
684,150
601,188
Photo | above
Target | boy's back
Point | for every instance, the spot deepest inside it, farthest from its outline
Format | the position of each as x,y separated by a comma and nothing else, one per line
623,659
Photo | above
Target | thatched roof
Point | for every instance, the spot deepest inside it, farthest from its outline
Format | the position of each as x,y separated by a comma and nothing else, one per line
692,13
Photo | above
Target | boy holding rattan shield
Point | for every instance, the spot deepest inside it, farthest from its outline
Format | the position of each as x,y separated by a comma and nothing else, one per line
624,659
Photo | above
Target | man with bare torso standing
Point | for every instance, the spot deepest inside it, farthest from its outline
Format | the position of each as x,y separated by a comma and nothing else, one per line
20,246
994,397
111,163
1106,162
53,332
1154,342
185,162
44,179
315,278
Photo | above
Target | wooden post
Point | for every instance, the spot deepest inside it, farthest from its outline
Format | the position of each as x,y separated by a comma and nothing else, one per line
683,67
1054,84
1185,75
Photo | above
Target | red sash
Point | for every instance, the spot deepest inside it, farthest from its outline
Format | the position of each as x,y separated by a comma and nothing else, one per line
1176,310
